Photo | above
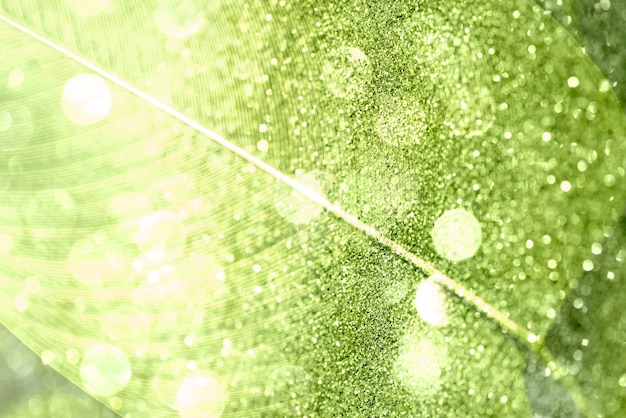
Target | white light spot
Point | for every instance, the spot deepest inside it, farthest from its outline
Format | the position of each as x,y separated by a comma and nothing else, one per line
573,82
578,303
355,54
16,78
179,18
566,186
72,356
116,403
161,237
22,302
86,99
200,396
609,180
457,235
587,265
263,145
622,381
604,86
105,370
47,357
419,365
532,338
430,303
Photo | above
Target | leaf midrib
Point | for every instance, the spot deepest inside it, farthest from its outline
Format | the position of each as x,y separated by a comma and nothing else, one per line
531,342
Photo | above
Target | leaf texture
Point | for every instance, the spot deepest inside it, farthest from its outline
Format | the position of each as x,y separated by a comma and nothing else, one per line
265,251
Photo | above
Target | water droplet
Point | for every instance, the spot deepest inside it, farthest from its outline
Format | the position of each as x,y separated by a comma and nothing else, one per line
263,145
86,99
457,235
596,248
609,180
22,302
105,370
16,78
200,396
47,357
604,86
72,356
419,365
430,303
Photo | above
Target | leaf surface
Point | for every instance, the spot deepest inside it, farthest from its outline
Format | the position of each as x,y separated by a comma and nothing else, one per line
170,273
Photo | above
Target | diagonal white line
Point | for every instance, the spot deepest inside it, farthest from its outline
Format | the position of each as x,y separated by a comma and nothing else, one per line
531,341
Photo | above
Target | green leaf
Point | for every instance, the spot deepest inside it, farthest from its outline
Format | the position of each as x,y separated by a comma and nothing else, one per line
276,209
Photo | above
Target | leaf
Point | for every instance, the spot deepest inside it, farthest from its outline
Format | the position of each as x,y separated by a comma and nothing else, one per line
166,261
589,329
